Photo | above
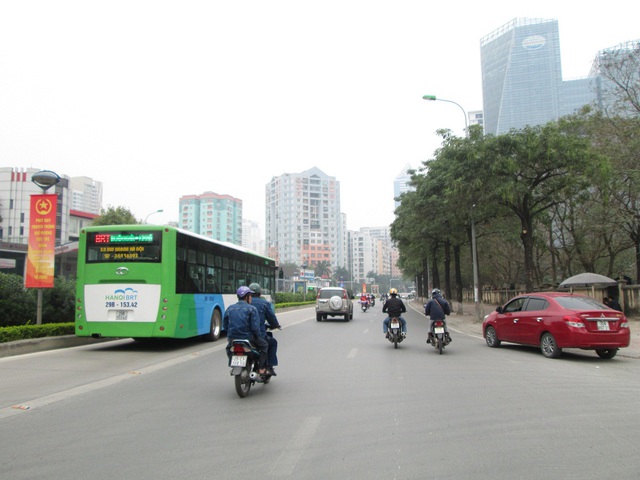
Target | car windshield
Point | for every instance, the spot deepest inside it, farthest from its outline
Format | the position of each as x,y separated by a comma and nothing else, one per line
580,303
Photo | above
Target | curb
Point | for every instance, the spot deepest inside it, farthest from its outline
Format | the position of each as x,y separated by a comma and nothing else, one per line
32,345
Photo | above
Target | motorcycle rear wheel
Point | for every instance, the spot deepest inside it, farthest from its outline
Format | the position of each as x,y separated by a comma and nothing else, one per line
243,386
440,344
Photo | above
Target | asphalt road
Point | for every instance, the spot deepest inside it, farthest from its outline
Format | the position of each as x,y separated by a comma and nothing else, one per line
345,404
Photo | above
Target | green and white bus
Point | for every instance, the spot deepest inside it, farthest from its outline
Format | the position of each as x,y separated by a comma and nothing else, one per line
150,281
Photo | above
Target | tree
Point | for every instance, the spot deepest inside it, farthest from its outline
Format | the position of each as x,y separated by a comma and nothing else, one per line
17,304
530,171
323,269
617,134
116,216
290,269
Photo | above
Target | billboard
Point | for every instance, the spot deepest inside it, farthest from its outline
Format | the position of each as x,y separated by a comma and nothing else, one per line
42,241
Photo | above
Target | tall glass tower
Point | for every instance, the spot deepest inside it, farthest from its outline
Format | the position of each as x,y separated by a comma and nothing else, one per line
521,75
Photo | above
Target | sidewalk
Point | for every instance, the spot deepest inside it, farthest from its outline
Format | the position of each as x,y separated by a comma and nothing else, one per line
466,323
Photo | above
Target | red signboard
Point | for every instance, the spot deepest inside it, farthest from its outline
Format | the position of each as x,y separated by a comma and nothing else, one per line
42,241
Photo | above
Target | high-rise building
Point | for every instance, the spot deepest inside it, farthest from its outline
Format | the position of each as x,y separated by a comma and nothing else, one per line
401,184
252,236
86,195
212,215
622,59
365,256
522,77
303,220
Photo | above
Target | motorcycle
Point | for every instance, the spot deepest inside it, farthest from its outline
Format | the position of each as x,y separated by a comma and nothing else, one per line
364,305
394,333
244,367
438,338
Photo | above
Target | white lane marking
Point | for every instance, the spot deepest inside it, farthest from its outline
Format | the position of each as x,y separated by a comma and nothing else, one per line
352,353
286,463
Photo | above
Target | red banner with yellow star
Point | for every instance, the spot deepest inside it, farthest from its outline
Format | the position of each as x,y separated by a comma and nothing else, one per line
42,241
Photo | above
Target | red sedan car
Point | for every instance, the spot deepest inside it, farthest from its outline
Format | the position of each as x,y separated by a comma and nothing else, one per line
555,320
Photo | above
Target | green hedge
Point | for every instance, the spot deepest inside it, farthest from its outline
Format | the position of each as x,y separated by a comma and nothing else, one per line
23,332
294,304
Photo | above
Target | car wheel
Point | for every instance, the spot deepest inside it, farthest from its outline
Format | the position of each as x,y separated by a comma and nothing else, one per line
549,347
607,353
347,317
491,337
318,317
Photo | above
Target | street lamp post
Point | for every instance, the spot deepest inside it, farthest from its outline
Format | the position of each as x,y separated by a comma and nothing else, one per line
152,213
433,98
474,256
45,179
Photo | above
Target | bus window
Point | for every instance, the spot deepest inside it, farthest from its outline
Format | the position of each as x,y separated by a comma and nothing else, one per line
196,273
212,282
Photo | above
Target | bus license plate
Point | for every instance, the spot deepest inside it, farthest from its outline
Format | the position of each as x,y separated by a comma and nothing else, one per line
122,315
603,325
239,361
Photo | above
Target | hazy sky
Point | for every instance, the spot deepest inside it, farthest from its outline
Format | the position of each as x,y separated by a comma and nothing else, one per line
159,99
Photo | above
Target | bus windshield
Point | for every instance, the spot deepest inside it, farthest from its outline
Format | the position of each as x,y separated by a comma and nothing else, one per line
129,246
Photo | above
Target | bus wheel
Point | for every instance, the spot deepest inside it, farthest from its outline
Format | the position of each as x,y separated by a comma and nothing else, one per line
216,326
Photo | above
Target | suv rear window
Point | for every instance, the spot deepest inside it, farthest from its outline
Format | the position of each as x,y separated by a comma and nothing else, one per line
324,293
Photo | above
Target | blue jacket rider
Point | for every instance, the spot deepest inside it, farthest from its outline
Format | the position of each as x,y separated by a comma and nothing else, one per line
267,316
436,309
242,322
394,307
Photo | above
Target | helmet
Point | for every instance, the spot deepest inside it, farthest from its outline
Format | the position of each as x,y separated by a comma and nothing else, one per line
435,291
255,288
243,291
393,291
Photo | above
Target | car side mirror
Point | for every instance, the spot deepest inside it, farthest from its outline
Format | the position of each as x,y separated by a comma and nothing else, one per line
499,310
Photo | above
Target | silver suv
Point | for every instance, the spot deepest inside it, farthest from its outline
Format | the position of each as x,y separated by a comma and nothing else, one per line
334,302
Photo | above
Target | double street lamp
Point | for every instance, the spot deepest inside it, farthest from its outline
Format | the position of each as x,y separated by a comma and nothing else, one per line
474,253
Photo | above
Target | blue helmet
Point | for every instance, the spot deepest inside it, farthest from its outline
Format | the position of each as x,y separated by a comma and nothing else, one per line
243,292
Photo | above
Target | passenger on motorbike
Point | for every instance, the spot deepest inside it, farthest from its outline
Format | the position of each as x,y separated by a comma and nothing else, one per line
242,322
436,309
364,299
267,317
394,307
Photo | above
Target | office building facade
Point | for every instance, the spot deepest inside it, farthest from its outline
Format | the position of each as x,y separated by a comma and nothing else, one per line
522,77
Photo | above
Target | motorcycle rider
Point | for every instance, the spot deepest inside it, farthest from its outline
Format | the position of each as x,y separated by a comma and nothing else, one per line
436,309
394,307
242,322
267,316
364,300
